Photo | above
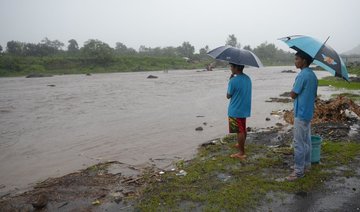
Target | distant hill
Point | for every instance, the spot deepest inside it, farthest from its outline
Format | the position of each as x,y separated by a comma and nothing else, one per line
355,50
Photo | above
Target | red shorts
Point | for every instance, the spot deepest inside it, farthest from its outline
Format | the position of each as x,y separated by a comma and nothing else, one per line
237,125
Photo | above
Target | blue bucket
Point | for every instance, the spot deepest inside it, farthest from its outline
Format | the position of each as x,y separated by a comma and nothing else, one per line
316,148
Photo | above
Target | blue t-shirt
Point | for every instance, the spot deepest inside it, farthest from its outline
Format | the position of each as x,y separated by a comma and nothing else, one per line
305,87
240,90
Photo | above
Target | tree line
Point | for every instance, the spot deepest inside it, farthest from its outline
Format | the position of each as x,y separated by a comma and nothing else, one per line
54,54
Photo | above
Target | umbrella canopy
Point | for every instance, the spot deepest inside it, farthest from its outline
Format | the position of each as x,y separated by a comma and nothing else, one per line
323,55
235,56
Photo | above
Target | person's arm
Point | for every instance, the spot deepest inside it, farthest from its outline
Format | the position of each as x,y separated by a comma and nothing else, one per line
230,90
298,87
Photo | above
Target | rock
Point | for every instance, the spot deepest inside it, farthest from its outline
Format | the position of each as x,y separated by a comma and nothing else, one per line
88,74
249,129
267,119
152,77
199,129
302,194
40,202
128,193
285,94
96,202
281,100
288,71
118,200
205,123
38,75
181,173
51,85
209,143
354,79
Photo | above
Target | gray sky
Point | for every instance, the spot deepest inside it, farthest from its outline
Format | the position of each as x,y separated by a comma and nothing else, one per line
170,22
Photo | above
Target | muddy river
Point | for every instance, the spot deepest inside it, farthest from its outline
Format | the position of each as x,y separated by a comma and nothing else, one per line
56,125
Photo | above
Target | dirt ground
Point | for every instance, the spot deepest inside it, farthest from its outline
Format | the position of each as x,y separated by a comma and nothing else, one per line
98,187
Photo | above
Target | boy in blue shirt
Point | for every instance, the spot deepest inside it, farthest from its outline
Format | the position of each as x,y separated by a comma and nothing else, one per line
239,93
304,93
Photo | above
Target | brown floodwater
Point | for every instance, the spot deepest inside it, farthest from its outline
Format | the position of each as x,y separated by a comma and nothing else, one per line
56,125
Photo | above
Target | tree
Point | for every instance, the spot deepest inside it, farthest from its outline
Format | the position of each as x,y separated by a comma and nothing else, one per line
204,51
31,49
55,44
232,41
170,51
247,47
143,49
15,48
73,46
131,51
186,50
1,48
270,54
121,48
98,51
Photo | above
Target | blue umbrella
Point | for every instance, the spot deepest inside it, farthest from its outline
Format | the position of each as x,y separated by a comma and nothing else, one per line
323,55
235,56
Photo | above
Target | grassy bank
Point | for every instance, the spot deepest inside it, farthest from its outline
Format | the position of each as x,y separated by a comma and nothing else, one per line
339,83
215,182
354,70
21,66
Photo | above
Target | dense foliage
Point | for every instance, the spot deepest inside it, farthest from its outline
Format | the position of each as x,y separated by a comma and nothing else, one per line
52,57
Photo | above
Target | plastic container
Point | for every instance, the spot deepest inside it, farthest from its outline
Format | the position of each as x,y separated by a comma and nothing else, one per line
316,148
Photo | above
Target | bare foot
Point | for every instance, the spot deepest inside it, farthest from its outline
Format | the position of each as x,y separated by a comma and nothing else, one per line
237,146
238,156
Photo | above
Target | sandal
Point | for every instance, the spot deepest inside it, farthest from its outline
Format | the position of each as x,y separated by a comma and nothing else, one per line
293,177
238,156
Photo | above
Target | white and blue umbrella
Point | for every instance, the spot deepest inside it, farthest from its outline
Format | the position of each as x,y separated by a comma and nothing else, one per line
323,55
235,56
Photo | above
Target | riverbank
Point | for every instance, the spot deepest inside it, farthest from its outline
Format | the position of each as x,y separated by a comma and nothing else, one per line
16,66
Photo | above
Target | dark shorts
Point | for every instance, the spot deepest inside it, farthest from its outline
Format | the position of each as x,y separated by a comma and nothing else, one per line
237,125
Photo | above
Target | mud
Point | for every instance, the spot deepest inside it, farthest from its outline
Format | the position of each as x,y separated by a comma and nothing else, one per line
340,193
93,189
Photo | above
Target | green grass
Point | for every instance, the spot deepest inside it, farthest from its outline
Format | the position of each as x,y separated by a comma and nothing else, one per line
248,183
354,70
339,83
58,65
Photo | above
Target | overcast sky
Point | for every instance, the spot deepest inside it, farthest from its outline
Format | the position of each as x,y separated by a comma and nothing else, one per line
170,22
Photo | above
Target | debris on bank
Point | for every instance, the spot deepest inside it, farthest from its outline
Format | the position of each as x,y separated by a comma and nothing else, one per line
336,110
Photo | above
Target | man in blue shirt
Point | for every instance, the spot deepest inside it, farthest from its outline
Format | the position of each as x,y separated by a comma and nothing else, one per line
239,93
304,93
